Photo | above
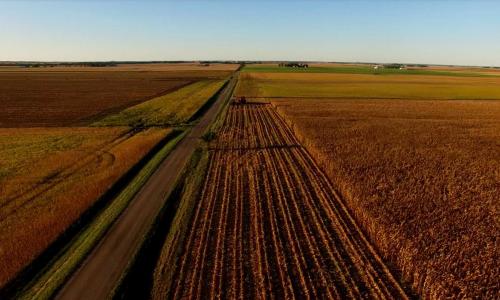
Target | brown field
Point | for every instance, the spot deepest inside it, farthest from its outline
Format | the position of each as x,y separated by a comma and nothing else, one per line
38,98
423,179
268,223
128,67
49,176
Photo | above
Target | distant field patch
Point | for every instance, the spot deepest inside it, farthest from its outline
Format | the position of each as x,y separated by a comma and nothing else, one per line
361,69
49,176
296,85
174,108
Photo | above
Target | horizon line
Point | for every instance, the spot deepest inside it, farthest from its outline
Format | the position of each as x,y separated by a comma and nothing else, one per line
3,62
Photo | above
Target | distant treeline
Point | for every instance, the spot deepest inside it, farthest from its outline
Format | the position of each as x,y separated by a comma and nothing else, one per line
294,65
34,64
51,65
394,66
417,66
402,66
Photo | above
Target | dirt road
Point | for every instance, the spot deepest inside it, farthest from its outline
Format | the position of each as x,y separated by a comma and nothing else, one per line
101,271
270,225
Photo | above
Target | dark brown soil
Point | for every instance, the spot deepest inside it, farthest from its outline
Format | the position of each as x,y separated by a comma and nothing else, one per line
39,99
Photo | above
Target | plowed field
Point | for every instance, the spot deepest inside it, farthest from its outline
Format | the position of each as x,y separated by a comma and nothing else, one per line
268,223
79,97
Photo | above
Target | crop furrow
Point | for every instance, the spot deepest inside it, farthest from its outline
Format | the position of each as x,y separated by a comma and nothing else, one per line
220,247
310,207
315,234
304,287
281,252
262,269
317,266
358,274
371,264
286,134
212,254
269,132
201,223
233,279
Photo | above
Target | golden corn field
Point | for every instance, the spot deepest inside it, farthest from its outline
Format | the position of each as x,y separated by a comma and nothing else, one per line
269,223
421,177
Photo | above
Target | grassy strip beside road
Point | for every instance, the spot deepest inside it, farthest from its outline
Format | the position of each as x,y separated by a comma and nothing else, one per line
212,130
169,229
205,106
171,109
179,227
163,241
62,267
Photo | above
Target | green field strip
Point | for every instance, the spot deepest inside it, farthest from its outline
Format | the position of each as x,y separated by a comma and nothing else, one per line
359,70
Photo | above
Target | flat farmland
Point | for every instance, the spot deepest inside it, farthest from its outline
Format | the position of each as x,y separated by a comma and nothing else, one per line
341,68
56,161
416,159
51,175
267,222
329,85
76,98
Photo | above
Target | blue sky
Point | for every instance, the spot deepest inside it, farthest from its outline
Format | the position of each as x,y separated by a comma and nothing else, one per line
423,31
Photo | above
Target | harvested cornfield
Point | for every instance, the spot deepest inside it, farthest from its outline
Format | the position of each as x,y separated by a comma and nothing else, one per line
51,176
268,222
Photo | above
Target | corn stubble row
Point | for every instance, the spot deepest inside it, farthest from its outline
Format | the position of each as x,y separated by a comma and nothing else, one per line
268,223
422,179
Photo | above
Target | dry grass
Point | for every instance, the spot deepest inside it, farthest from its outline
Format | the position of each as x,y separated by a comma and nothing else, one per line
50,176
423,179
